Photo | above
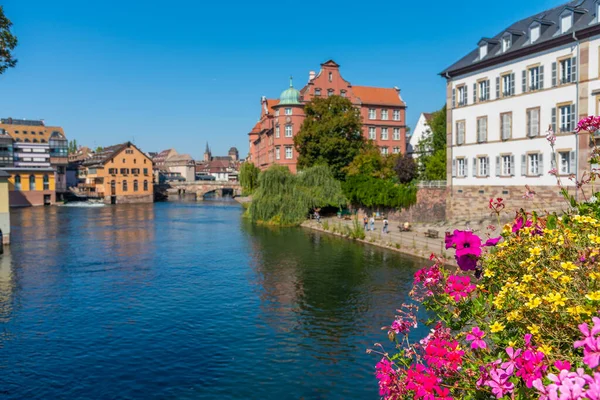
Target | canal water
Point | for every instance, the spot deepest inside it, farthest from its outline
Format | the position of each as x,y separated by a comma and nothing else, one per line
185,300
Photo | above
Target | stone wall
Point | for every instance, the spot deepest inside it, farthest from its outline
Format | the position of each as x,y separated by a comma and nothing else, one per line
429,208
143,198
468,203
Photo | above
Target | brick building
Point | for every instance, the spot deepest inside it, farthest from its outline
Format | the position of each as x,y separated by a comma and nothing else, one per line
382,110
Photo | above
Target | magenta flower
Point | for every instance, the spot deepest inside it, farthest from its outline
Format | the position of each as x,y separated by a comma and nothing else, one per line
499,383
467,263
551,137
459,287
590,343
467,244
449,239
553,171
513,359
492,241
562,365
476,337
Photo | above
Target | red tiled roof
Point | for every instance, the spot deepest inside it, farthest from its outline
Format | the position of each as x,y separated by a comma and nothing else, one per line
256,129
375,95
272,103
428,116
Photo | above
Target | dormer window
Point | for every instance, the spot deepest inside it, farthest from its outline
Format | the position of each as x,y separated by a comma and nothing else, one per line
566,22
483,51
506,42
534,32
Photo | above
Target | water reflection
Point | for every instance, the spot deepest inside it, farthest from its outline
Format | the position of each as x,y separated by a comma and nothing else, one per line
7,285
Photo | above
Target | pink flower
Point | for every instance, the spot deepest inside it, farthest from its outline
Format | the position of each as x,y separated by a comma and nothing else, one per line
467,263
590,343
467,243
551,137
513,358
492,241
459,287
553,171
449,239
562,365
476,337
499,383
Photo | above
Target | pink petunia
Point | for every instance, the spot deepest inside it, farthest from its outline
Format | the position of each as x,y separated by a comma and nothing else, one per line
476,337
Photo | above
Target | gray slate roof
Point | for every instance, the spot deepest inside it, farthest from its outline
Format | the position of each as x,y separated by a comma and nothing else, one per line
584,16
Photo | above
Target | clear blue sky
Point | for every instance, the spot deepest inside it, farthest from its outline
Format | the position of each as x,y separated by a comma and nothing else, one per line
180,73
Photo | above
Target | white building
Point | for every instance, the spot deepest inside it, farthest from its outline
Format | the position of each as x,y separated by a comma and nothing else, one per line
502,97
421,130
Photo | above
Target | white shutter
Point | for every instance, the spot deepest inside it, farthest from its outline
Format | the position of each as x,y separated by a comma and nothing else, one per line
529,123
524,81
498,166
512,84
474,93
497,87
512,166
554,119
572,162
524,165
540,164
574,69
536,122
541,76
572,118
554,73
474,167
454,167
453,98
465,95
487,166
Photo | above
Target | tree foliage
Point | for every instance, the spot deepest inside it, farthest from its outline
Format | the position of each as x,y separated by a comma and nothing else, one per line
72,147
249,177
282,198
432,149
373,192
372,163
8,42
406,168
331,134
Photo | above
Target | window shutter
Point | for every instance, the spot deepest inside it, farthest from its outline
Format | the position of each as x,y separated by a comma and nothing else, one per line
524,165
474,167
554,73
487,166
512,84
572,162
512,166
466,171
498,87
540,164
465,95
574,69
497,165
529,123
454,167
554,119
453,98
572,118
541,76
474,93
524,81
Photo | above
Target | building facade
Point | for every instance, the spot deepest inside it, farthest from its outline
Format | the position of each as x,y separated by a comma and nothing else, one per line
52,138
182,165
119,174
421,130
382,110
541,72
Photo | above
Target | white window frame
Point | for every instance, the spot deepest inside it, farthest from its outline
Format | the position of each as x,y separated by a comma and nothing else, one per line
566,22
564,118
384,114
384,150
277,152
288,131
289,152
564,169
384,134
288,111
461,96
396,150
507,167
483,166
396,115
461,167
533,128
566,66
483,49
372,133
277,112
482,130
484,90
534,32
396,134
506,42
506,85
372,113
533,164
277,131
460,134
534,78
505,129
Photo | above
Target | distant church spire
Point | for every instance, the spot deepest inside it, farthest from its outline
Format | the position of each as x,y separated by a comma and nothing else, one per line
207,148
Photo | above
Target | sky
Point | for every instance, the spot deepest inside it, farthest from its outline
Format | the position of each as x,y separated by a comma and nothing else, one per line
178,74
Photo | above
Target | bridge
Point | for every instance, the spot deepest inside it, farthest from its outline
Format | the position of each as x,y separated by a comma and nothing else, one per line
201,188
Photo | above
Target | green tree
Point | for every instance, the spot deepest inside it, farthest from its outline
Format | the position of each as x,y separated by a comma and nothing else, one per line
432,148
249,177
373,192
283,198
99,149
8,42
72,147
371,162
406,168
331,134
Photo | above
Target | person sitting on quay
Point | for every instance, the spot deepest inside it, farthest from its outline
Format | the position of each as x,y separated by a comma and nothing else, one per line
385,225
372,221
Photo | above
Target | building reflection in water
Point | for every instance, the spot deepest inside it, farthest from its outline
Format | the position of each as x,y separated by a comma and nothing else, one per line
7,285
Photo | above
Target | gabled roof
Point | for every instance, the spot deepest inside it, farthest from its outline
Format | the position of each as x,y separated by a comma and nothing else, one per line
107,153
330,63
585,25
375,95
428,116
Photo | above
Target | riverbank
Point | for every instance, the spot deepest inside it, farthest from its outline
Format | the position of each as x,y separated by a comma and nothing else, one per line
413,243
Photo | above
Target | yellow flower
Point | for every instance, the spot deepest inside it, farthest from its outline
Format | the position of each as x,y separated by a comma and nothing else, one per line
594,296
556,299
545,349
577,310
488,273
514,316
565,279
556,274
535,252
594,275
527,278
496,327
533,329
569,266
534,303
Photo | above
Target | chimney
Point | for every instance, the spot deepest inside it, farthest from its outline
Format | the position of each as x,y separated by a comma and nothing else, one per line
311,75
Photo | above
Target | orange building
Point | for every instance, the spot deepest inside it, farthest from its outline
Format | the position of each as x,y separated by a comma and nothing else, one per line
119,174
382,110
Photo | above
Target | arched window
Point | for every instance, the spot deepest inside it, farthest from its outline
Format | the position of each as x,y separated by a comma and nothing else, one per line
43,140
135,185
46,182
31,183
35,140
145,186
17,182
124,185
26,141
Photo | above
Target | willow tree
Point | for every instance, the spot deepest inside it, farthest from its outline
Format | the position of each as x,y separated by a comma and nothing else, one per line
331,134
249,177
283,198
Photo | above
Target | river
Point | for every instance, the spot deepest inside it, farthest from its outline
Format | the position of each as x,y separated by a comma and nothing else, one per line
185,300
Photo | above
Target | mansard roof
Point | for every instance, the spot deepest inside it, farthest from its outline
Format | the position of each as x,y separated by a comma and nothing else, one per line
585,24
